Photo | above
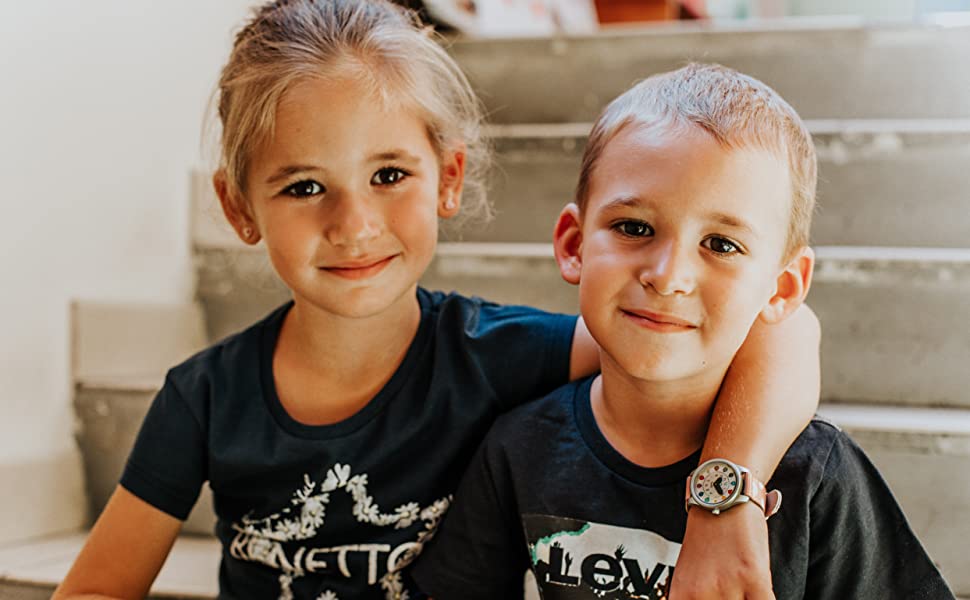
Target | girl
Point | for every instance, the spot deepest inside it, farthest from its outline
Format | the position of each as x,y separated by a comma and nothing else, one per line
334,431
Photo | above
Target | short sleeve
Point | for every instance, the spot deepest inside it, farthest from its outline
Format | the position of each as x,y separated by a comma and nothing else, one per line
861,545
479,551
524,352
167,465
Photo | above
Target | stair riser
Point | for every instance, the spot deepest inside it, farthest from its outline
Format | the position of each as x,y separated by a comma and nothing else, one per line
875,189
848,73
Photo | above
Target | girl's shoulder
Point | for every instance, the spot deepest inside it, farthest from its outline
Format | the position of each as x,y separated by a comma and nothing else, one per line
454,305
229,357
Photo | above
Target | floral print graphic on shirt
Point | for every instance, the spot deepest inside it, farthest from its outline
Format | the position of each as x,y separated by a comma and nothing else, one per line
262,539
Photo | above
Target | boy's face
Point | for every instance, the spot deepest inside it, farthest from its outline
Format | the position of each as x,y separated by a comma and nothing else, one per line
680,249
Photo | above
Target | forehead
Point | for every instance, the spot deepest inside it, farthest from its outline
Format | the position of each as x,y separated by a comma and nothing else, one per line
344,117
686,169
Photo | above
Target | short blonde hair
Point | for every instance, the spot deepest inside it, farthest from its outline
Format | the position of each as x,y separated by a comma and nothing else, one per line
374,41
737,110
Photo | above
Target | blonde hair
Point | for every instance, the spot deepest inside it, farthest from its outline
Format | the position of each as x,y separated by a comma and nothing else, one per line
379,44
737,110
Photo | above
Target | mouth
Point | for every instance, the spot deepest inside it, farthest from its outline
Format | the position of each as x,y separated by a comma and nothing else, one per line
359,269
658,321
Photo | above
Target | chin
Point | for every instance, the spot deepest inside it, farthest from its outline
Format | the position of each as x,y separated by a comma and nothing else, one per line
658,367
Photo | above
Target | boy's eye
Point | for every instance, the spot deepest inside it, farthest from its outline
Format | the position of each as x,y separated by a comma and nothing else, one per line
301,189
388,176
633,228
720,245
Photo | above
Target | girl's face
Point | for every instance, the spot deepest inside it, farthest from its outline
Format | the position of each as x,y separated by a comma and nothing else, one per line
347,197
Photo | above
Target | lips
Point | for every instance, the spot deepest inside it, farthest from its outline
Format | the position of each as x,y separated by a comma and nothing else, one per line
659,321
359,269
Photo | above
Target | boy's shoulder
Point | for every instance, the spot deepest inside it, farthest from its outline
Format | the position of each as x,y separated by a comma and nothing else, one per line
808,458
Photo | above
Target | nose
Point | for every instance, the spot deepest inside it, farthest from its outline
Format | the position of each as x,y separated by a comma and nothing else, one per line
669,268
352,221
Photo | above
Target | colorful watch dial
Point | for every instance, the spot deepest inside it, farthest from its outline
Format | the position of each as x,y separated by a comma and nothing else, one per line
715,482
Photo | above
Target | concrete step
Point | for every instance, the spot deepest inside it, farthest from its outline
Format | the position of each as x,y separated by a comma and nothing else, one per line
881,183
120,353
825,69
917,449
31,570
895,321
111,340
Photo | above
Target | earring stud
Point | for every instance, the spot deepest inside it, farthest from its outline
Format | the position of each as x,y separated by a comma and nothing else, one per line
247,232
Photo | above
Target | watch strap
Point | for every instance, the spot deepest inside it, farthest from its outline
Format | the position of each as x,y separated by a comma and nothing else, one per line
768,502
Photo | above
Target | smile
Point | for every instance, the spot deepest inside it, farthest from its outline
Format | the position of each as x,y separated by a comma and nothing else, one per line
360,269
658,322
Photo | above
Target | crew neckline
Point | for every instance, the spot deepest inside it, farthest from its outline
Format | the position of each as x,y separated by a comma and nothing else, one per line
604,451
269,336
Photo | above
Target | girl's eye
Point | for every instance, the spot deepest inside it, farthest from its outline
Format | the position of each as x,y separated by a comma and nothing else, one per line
633,228
388,176
302,189
720,245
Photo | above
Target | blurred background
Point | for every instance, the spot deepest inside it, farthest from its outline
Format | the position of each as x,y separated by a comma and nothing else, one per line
115,264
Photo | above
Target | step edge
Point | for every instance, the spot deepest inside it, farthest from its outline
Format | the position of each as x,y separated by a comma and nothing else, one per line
512,131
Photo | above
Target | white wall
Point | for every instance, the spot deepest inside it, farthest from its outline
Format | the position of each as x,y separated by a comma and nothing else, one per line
101,105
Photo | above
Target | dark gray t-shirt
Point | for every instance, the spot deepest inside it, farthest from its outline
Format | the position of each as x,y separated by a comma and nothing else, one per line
338,511
547,491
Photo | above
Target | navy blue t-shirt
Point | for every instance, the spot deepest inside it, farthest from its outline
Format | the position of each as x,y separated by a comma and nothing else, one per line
337,511
548,492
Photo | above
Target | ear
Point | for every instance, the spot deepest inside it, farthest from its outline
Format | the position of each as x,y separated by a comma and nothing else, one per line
451,179
567,242
235,209
791,287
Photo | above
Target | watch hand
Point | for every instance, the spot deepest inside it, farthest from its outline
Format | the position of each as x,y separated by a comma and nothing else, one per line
717,485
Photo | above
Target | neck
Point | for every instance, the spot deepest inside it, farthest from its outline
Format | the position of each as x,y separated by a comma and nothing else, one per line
653,423
352,357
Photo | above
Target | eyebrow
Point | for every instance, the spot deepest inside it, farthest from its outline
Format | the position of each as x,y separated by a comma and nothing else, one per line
395,154
288,171
732,221
623,202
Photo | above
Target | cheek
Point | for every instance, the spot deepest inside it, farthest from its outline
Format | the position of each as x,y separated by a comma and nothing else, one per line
415,215
289,230
737,301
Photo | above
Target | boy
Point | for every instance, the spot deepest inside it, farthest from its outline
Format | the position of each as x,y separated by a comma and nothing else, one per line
691,221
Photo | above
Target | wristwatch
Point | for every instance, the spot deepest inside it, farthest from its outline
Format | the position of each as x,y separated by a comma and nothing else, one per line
718,484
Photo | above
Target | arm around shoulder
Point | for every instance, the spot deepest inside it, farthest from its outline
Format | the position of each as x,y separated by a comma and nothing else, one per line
124,552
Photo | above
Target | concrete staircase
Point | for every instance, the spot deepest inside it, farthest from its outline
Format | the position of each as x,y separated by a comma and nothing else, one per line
889,107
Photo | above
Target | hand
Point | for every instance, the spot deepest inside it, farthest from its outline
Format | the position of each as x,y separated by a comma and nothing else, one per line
724,557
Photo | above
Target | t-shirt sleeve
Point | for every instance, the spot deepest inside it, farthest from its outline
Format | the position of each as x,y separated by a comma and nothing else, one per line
479,551
167,465
861,545
524,351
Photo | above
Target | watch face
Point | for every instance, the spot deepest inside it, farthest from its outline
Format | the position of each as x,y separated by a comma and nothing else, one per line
715,482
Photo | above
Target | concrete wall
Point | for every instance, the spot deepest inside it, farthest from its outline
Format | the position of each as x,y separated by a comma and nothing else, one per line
100,118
